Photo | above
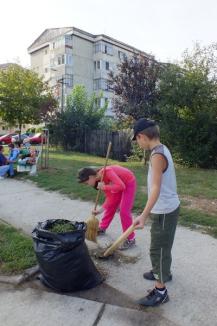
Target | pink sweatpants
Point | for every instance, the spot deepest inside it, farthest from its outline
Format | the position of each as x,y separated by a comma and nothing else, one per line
124,200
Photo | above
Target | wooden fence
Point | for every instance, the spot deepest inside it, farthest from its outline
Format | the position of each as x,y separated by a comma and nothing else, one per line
96,142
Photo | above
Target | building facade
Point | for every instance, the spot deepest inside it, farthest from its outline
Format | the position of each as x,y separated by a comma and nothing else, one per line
69,56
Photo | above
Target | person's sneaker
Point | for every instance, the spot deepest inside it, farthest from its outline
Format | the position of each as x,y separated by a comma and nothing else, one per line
154,298
150,276
128,244
101,231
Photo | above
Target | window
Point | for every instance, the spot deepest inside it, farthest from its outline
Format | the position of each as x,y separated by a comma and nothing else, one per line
107,65
122,55
68,40
101,84
97,102
54,45
68,80
68,59
107,49
97,64
45,52
45,70
97,47
96,84
103,47
61,59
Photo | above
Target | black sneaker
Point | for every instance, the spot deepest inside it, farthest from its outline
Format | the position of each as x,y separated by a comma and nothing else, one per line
101,231
154,298
150,276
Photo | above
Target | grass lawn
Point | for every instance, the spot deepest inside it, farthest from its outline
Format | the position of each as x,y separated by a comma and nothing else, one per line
16,250
62,173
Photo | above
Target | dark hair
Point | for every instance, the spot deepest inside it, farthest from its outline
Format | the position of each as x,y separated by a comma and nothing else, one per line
1,147
152,132
11,145
83,174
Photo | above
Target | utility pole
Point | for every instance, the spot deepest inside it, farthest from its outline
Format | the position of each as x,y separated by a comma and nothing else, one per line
61,81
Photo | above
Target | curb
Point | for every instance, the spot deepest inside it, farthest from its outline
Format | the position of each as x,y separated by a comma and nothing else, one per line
19,279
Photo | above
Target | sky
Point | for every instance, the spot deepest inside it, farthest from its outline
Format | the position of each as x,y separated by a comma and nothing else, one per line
163,28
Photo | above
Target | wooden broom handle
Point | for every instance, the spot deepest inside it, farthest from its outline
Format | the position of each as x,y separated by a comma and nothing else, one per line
119,241
103,173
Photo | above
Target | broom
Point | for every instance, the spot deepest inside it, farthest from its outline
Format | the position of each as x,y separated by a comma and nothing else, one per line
93,222
118,242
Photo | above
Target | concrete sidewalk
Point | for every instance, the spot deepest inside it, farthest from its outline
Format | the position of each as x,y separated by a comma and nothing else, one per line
31,307
192,292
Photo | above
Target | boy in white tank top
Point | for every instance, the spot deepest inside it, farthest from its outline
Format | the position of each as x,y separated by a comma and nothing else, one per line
163,206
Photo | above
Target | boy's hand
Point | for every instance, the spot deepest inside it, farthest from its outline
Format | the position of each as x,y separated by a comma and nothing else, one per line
100,185
139,222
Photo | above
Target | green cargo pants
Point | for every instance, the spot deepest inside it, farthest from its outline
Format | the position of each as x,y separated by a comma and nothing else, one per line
162,236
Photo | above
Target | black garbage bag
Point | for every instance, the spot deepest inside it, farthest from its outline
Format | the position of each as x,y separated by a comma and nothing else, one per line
63,258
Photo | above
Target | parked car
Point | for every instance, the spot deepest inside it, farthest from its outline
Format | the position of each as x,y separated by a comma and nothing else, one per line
6,139
22,137
36,139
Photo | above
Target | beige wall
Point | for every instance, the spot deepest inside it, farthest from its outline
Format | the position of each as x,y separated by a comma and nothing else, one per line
83,63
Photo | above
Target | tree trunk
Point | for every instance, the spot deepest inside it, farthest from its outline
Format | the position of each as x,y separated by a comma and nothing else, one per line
20,129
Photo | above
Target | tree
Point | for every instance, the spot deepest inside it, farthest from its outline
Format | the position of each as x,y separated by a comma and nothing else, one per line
135,87
82,113
24,97
188,103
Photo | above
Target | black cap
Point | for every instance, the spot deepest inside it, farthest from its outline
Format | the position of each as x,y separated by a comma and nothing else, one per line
141,125
83,174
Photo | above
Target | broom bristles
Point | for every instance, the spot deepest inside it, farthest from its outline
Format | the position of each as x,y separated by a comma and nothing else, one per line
92,228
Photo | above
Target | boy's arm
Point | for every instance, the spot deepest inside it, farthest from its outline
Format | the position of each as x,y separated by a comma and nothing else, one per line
159,164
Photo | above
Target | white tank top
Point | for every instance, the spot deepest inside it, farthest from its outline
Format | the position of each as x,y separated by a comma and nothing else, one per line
168,199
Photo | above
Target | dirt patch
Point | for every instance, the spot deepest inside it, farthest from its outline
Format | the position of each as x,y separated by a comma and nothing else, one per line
199,203
116,258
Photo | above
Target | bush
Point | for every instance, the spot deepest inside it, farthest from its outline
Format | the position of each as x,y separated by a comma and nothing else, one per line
82,113
189,108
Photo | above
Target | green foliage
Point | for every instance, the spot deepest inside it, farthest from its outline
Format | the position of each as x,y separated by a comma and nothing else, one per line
24,97
189,108
16,250
61,227
82,113
137,154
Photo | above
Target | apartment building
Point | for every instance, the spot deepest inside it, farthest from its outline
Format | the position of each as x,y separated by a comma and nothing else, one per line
68,56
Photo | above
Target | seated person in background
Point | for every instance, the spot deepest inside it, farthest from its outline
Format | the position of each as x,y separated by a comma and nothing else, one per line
27,155
4,167
26,143
13,156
